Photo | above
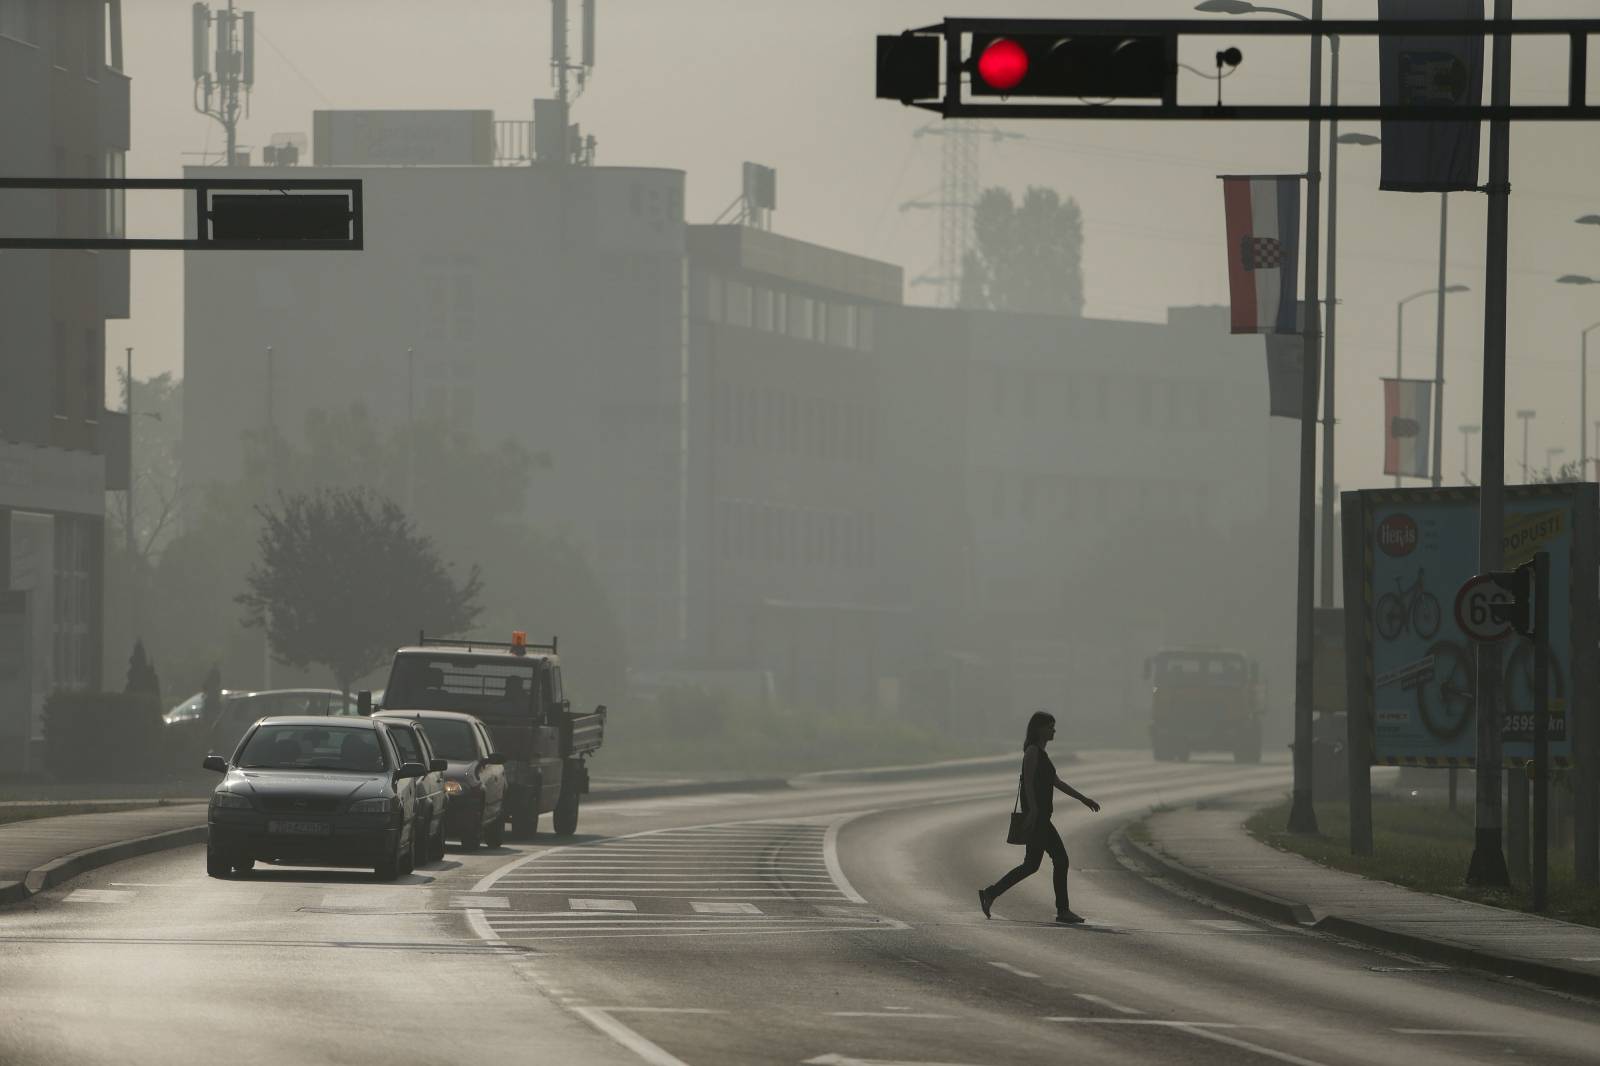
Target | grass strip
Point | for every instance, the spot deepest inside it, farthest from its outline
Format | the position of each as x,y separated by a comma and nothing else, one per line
1419,843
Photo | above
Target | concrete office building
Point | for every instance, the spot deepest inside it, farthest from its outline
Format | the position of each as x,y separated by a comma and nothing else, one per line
64,58
542,303
786,555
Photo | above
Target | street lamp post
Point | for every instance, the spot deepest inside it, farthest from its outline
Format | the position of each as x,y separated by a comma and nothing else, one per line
1526,416
1302,815
1438,383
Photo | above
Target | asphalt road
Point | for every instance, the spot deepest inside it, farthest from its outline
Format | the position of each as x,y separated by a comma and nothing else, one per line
828,925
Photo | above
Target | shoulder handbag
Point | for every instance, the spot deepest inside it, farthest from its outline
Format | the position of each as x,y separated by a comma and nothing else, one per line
1018,833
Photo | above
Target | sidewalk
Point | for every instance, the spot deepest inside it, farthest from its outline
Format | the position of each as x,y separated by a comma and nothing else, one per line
41,852
1207,850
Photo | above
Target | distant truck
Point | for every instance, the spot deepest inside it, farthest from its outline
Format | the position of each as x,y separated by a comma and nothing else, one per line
1204,700
515,689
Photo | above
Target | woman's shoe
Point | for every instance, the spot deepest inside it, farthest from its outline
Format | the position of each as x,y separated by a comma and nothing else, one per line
985,901
1068,918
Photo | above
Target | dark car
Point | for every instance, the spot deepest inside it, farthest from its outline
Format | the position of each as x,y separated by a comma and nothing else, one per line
474,778
312,791
413,746
242,709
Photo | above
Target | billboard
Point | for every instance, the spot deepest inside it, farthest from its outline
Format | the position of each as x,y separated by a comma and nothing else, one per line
1417,547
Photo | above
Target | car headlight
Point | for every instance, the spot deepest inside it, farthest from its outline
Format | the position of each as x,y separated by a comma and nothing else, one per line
452,788
381,805
230,799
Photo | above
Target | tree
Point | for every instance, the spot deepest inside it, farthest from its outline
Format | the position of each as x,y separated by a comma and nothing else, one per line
142,673
1029,256
344,576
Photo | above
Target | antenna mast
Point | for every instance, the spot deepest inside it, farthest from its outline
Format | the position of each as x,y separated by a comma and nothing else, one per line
228,70
577,148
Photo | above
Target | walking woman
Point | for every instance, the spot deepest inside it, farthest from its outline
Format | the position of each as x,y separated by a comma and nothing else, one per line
1039,782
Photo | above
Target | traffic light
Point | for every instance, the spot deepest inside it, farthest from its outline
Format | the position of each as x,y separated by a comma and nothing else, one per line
1519,612
908,67
1091,66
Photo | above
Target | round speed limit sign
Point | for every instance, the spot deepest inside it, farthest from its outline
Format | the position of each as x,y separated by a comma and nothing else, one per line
1472,608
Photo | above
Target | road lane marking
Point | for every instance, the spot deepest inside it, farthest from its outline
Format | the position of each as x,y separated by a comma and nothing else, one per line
884,1014
1455,1032
833,1058
602,904
1224,925
1206,1031
1012,969
467,899
830,855
701,906
1104,1002
650,1052
1246,1045
98,895
660,1010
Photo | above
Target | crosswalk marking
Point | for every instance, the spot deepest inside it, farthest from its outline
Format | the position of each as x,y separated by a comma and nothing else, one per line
746,878
602,904
469,899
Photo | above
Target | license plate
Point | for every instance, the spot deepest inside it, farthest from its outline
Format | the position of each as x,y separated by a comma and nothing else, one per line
315,829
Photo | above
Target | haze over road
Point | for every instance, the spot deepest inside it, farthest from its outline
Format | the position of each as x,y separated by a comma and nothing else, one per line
829,924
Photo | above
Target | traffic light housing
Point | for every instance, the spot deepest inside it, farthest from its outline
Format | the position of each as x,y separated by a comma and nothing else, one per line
908,67
1089,66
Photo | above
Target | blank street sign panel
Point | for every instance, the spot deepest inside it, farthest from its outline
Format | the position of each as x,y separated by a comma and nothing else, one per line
266,217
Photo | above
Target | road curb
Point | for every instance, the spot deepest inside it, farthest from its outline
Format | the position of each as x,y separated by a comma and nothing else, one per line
67,867
1274,908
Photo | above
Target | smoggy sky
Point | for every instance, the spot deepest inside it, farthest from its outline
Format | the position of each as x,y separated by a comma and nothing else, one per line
703,85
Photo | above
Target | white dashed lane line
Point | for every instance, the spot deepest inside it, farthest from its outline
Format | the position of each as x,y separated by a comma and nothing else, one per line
1102,1001
1006,966
98,895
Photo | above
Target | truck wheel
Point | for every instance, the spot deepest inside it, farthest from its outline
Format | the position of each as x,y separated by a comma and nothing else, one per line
217,864
494,834
243,864
565,818
525,819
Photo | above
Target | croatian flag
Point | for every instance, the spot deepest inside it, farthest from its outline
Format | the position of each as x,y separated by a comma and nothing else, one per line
1407,433
1263,216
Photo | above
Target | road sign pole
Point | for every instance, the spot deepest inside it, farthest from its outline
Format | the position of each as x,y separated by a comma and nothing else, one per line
1302,815
1488,864
1541,729
1358,696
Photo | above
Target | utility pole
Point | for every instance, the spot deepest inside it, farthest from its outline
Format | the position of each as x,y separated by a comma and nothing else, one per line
272,490
128,500
1302,815
1329,423
411,430
1488,863
1438,378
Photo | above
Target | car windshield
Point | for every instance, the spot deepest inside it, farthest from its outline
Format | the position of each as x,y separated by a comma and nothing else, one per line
311,747
1199,670
451,738
497,687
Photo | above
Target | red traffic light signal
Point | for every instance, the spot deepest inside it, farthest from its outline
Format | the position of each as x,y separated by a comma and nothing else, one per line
1003,64
1089,66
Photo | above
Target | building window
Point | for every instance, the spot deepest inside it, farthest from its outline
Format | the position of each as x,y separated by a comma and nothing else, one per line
864,329
800,317
764,309
116,199
739,310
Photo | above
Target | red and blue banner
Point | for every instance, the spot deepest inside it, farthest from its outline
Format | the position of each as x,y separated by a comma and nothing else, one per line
1407,426
1263,220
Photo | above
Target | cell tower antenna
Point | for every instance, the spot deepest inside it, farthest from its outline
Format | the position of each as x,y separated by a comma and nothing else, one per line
579,148
224,65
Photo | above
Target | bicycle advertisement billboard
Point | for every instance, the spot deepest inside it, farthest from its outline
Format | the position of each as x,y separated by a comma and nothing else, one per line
1418,547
